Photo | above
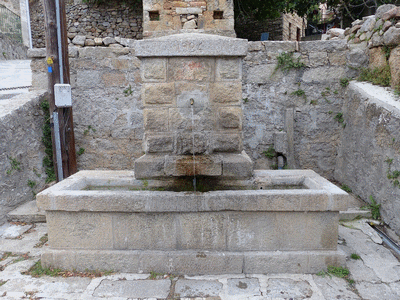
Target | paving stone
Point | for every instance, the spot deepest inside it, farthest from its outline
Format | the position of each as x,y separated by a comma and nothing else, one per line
197,288
335,288
27,212
376,257
27,243
360,272
15,231
244,287
288,289
134,289
378,291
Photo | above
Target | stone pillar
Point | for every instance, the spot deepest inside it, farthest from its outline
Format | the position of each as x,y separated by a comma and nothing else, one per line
192,97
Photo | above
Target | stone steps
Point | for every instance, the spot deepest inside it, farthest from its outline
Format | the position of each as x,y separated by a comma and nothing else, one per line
27,213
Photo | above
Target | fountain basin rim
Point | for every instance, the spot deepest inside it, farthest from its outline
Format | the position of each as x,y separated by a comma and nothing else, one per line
69,196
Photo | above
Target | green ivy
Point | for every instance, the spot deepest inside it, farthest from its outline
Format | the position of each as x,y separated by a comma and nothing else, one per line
46,139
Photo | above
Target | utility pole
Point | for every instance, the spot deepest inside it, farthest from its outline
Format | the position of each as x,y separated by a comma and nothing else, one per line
64,155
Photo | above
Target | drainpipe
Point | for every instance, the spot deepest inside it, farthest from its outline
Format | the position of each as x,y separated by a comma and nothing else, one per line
60,57
28,21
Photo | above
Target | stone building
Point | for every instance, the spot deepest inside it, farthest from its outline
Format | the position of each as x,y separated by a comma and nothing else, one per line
288,27
164,17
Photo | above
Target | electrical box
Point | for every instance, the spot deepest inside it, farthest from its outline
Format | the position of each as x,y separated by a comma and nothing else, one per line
62,95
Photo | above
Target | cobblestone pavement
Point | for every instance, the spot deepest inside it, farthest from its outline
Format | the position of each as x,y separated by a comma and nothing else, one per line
14,73
376,275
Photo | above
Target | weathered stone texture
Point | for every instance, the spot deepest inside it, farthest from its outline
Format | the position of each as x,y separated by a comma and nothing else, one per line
112,106
21,150
394,63
377,58
11,49
165,17
370,138
268,92
91,22
158,94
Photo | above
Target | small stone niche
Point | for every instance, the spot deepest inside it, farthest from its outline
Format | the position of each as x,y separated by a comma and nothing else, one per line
154,15
218,15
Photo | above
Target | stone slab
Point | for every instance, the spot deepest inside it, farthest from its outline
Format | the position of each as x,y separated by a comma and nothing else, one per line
244,287
133,288
197,288
69,195
335,288
191,44
214,231
183,165
194,262
14,231
288,288
28,213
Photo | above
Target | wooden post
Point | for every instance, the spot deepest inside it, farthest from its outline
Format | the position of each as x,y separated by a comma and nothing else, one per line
67,138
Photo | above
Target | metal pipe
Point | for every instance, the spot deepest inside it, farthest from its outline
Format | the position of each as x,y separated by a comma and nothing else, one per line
58,146
387,239
28,20
60,60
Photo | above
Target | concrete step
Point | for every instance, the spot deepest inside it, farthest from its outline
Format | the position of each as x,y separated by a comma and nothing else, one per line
353,213
28,213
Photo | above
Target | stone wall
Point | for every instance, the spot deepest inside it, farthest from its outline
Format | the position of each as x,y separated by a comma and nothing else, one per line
21,150
368,153
11,49
295,111
250,29
165,17
304,115
108,113
109,119
381,34
90,22
293,27
12,5
284,28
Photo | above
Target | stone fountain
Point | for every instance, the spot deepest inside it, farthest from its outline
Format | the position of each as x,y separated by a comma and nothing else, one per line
247,222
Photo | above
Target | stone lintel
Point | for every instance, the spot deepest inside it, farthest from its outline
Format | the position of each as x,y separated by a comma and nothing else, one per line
191,44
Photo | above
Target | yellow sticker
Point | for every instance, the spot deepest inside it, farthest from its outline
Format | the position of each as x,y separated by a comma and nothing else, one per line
49,61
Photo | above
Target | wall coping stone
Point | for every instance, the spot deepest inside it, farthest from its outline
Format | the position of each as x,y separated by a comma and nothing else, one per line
191,44
9,105
376,94
36,53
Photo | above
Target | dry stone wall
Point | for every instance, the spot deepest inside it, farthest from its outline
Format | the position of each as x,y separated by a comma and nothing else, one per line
21,150
380,34
89,22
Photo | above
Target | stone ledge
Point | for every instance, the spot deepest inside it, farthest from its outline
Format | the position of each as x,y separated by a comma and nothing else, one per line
69,195
191,44
383,97
226,165
194,262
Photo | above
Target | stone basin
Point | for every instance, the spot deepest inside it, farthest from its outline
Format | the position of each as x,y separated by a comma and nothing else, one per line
132,229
